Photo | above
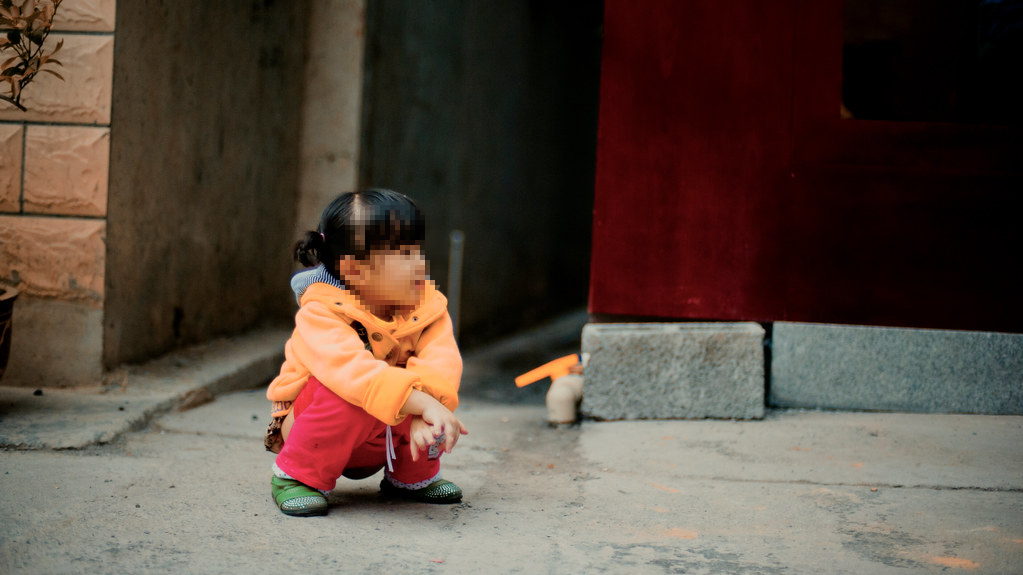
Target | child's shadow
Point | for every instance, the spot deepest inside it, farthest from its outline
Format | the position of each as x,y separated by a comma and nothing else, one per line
364,497
357,495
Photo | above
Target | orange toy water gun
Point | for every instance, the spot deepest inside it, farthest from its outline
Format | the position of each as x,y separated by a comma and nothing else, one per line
553,369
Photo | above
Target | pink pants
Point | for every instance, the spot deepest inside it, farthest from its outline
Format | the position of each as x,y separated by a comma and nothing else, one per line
331,437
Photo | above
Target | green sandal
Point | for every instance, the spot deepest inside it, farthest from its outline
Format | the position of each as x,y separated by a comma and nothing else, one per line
440,491
296,498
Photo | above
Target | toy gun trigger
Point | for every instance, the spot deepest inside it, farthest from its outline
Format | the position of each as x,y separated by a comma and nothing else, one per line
552,369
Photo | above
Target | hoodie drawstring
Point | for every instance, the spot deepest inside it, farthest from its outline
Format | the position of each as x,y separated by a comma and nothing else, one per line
391,455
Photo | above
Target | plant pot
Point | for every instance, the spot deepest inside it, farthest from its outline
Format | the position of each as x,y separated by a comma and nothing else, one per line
7,297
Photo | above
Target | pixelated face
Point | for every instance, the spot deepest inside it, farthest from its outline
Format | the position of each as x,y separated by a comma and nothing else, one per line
394,279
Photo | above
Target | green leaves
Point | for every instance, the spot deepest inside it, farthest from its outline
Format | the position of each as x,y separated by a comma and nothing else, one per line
24,26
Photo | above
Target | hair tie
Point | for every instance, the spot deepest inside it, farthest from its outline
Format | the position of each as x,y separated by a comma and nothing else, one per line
323,237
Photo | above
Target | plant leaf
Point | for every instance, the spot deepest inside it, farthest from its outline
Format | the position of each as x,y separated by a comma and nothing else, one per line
19,69
49,71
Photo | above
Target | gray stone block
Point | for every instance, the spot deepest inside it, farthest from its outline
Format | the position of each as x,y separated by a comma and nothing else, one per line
674,371
896,369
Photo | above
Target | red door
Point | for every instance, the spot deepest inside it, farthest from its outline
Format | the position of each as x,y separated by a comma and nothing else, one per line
729,186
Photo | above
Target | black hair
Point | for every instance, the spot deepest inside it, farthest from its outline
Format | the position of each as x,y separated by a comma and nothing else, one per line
355,223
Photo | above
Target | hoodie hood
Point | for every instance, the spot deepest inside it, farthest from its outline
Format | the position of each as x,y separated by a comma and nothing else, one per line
301,281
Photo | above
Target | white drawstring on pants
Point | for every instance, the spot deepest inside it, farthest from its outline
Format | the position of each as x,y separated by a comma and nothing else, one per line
390,451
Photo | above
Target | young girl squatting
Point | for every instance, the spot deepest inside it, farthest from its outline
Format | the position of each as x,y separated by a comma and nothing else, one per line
371,372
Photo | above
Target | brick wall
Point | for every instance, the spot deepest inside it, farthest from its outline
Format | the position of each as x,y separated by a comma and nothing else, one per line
54,163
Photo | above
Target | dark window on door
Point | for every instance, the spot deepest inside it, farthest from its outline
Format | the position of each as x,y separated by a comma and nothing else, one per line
955,61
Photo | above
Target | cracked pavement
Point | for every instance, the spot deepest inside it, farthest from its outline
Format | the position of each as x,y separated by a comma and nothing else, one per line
799,492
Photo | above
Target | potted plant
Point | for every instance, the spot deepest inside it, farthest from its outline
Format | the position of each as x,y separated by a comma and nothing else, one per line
7,297
24,26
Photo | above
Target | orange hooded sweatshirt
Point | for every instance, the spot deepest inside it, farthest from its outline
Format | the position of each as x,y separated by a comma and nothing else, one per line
417,351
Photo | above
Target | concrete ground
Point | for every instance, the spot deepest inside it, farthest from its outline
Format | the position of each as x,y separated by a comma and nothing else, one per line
799,492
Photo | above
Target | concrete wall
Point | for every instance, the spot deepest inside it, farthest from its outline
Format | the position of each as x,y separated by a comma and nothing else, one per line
486,113
331,106
203,170
177,150
53,204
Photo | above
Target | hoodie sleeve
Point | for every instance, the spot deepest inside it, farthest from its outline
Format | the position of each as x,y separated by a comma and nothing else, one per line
333,353
284,388
438,363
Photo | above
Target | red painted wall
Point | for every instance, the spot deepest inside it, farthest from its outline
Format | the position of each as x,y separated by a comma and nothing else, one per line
728,187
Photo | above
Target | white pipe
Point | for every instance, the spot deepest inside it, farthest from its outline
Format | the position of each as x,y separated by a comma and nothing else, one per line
563,398
455,276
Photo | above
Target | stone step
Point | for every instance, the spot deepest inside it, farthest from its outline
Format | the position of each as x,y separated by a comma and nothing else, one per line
896,369
674,370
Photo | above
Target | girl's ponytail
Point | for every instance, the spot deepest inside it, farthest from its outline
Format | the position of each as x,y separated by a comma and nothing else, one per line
311,249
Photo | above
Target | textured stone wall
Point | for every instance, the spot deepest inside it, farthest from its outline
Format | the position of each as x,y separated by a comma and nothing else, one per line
54,162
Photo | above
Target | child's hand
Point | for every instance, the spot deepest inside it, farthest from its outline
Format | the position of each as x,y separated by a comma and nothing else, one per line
420,436
436,422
